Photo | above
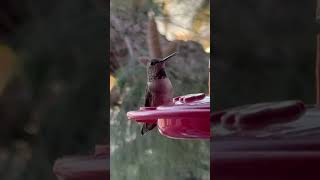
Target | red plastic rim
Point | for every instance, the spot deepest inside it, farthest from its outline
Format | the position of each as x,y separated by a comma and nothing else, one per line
187,118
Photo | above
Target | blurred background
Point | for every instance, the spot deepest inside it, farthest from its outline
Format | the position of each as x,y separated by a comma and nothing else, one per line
156,28
52,84
264,51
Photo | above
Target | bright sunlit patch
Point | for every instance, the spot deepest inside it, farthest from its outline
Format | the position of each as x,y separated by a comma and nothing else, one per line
149,151
185,21
113,81
207,50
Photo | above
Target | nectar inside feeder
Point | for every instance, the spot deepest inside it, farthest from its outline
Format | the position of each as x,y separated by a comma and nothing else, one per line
187,118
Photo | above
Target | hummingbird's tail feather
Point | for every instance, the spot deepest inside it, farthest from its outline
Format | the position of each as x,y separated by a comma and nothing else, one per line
147,127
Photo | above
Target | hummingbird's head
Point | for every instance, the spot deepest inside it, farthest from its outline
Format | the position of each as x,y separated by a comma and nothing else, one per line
155,64
155,67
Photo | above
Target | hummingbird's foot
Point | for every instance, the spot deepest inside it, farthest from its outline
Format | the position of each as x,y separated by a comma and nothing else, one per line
147,127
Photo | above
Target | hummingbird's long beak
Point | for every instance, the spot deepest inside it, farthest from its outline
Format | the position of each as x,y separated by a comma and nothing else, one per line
168,57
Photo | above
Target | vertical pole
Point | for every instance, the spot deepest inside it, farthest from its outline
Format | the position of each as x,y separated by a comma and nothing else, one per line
317,68
318,71
318,11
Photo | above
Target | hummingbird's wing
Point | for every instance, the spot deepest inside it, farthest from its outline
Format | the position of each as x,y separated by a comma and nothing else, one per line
147,103
148,98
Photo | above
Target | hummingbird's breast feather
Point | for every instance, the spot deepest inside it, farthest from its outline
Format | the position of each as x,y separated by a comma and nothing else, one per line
161,91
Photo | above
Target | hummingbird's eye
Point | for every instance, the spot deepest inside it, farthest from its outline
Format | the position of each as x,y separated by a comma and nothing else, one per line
153,63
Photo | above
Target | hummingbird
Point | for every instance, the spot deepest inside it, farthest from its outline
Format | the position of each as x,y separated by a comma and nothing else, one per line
159,90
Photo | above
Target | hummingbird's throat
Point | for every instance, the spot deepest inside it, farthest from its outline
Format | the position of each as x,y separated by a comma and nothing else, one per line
161,74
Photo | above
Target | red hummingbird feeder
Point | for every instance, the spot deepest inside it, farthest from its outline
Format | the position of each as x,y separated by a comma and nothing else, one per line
84,167
187,118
